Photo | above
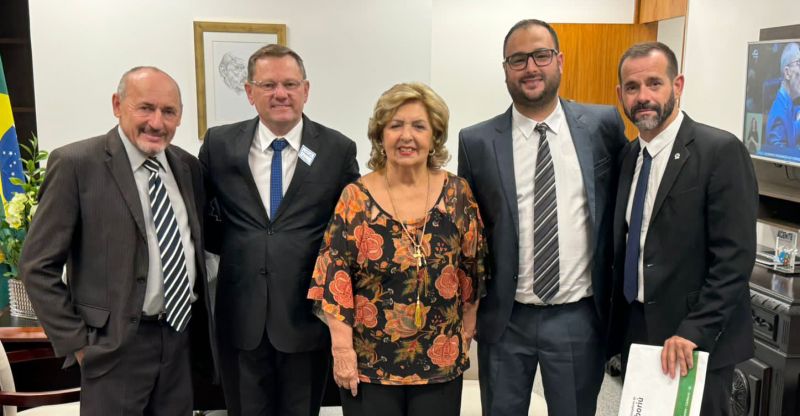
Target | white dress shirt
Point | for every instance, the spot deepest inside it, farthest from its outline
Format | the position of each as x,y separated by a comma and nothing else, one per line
660,149
574,245
154,293
260,158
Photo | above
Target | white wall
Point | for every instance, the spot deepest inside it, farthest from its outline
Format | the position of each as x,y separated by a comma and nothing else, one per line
670,33
716,54
716,60
467,49
354,50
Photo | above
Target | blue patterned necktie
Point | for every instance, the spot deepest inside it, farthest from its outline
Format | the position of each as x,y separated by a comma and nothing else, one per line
631,281
177,293
545,222
276,176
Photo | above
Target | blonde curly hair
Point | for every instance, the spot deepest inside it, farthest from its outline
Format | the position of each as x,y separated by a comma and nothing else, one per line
387,106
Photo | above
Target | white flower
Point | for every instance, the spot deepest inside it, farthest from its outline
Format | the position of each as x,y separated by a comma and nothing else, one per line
15,210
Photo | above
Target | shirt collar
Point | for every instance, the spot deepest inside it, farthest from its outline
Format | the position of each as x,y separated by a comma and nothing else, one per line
663,139
265,136
135,156
526,125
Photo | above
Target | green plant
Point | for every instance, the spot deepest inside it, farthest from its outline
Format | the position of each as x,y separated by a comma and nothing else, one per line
16,217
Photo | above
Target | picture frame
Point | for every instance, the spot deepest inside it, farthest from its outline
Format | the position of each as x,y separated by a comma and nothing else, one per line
221,52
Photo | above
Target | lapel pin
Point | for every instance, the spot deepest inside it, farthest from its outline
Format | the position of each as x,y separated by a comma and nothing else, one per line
677,156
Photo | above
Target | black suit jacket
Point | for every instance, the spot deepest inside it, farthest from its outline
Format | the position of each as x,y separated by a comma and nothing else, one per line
486,161
700,246
266,265
90,217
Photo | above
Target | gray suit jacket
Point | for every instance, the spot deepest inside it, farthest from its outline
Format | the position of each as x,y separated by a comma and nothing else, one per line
266,264
90,218
486,161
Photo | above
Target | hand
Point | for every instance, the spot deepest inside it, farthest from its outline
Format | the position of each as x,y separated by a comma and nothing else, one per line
79,356
677,353
345,369
469,323
468,332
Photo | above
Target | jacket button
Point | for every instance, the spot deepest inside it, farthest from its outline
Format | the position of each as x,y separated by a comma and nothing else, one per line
515,277
134,320
269,231
262,271
140,280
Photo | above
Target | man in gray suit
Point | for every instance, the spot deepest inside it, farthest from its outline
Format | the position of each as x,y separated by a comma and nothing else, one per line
122,211
544,175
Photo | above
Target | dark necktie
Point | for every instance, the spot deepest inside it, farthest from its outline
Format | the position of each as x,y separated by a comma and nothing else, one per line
276,176
631,282
177,293
545,222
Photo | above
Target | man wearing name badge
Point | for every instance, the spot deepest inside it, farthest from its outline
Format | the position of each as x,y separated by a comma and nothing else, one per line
275,180
544,176
123,212
684,231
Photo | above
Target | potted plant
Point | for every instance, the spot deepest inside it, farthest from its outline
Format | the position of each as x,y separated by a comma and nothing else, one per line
15,220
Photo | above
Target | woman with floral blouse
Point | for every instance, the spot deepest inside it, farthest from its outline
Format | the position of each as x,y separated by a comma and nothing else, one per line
400,271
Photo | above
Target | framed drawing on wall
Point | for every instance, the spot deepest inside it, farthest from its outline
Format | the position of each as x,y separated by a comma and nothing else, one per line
221,51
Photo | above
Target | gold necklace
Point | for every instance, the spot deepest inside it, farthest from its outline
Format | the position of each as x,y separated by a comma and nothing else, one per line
416,243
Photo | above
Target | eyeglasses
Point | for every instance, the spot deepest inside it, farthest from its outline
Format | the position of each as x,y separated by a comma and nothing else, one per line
541,57
270,86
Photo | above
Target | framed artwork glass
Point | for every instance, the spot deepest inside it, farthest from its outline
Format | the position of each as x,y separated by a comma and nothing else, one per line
221,52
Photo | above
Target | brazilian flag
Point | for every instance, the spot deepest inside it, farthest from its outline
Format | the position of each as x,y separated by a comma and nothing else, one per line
10,163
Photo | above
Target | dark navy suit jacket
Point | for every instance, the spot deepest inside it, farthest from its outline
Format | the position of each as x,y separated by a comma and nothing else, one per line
486,161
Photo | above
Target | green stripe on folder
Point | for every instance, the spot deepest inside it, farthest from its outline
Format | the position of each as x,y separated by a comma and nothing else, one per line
683,403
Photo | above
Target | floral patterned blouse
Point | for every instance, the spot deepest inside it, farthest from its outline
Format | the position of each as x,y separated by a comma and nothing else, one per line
366,276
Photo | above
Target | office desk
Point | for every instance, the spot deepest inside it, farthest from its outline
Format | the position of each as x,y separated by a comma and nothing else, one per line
13,329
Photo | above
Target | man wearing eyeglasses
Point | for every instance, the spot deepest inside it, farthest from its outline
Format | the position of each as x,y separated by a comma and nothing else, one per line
544,174
783,122
274,181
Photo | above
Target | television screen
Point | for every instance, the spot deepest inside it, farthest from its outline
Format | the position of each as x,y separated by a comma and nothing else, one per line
772,101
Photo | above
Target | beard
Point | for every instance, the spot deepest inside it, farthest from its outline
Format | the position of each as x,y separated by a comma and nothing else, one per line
648,123
535,99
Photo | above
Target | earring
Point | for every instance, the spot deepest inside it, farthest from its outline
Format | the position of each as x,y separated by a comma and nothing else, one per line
382,151
432,152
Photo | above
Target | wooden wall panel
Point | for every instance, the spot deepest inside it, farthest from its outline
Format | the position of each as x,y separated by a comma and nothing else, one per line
591,55
655,10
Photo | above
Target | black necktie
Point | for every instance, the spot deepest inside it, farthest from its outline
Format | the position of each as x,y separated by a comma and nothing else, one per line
631,277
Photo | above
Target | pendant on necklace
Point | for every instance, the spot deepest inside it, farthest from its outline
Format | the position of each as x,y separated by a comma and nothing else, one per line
418,315
418,255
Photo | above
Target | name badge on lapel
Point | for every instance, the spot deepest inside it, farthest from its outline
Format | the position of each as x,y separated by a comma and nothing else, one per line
307,155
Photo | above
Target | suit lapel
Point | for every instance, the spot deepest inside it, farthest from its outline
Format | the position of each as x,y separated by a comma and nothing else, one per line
183,177
677,159
623,193
120,168
309,139
241,152
585,152
504,154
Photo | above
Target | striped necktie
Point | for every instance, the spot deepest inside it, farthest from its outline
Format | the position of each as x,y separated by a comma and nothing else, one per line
177,292
545,222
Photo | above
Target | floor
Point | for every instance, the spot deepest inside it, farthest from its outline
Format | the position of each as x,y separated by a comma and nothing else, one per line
607,401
